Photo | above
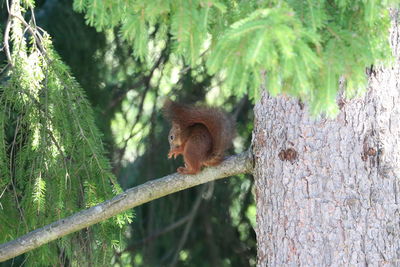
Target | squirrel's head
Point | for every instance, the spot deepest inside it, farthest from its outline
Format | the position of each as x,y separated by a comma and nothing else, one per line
174,137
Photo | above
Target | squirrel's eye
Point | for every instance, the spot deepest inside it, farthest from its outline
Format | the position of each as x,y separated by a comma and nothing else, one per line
171,137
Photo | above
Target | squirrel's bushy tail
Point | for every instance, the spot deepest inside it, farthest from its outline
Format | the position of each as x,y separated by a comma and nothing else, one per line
220,125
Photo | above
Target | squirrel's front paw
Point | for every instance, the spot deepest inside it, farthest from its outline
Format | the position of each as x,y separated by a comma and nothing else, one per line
173,154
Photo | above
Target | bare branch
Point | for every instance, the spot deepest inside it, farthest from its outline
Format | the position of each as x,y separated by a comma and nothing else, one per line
14,13
7,36
133,197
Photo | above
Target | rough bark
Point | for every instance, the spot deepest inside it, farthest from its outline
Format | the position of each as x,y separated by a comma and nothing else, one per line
133,197
327,189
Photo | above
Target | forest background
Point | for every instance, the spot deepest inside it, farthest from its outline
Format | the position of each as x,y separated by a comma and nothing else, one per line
205,226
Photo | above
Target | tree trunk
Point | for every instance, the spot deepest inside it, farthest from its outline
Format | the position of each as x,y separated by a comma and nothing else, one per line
327,189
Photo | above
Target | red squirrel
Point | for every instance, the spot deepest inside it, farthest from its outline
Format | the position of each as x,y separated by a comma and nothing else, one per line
200,134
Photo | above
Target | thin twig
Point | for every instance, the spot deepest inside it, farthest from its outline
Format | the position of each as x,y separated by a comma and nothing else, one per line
33,17
12,172
6,37
36,35
158,233
189,224
1,195
140,108
187,68
146,81
239,107
4,68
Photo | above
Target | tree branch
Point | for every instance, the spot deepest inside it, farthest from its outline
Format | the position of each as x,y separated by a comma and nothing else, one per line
133,197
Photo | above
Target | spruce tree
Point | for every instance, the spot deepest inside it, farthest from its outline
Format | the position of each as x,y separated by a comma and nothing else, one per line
52,161
301,48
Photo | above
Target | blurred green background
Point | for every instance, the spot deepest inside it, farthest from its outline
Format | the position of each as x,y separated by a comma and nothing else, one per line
210,225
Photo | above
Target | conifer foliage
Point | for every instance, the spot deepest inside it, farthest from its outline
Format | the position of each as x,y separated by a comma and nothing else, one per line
301,48
52,162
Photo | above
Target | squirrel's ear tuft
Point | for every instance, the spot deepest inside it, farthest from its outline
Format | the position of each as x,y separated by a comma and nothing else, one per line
167,102
167,108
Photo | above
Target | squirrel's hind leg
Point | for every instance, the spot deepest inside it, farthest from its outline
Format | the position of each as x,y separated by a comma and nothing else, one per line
193,158
192,166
